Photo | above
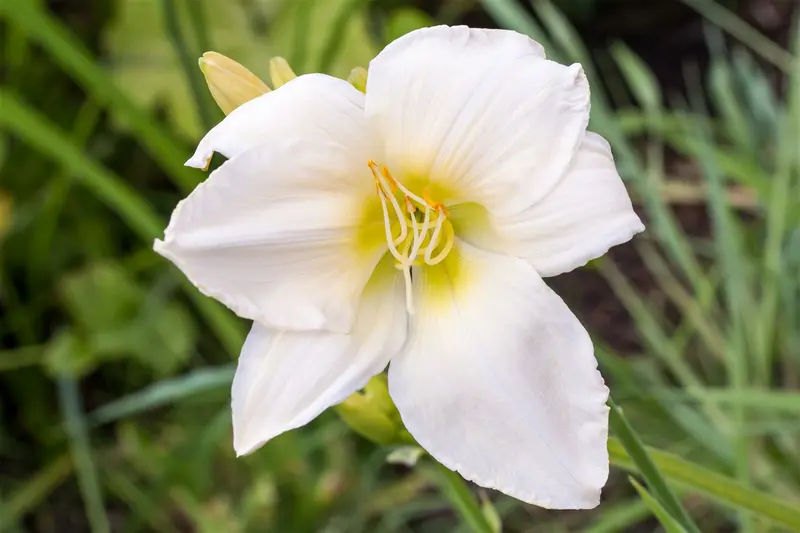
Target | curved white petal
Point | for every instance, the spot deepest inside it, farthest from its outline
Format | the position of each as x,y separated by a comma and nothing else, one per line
587,213
498,381
314,106
285,379
276,234
479,115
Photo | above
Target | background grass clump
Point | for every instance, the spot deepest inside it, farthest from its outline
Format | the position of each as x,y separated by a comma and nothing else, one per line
115,372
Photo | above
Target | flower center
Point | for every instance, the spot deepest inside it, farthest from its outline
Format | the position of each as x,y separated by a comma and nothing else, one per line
417,230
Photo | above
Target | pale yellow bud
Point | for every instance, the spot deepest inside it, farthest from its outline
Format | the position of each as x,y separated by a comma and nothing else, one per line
280,72
358,78
230,83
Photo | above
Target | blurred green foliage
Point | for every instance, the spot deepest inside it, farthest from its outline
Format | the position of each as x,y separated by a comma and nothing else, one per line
115,373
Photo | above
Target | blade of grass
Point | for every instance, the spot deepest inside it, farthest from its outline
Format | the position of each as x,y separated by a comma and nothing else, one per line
757,399
510,14
85,471
631,383
197,14
69,52
457,492
778,223
36,490
665,519
188,61
644,86
728,235
716,486
605,122
302,34
728,21
564,34
143,505
648,469
336,34
29,125
21,357
688,304
618,517
47,224
165,392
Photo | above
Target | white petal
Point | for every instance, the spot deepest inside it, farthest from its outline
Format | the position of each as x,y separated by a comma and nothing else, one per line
314,106
498,381
285,379
276,234
588,212
479,113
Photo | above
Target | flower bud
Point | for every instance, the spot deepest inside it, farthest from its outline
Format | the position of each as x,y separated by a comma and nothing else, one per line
280,72
372,413
358,78
230,83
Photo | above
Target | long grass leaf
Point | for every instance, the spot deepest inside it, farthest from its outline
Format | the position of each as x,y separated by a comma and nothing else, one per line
165,392
188,61
457,492
720,488
82,456
670,524
728,21
648,469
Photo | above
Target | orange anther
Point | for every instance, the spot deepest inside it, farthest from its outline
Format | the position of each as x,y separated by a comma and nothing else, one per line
438,206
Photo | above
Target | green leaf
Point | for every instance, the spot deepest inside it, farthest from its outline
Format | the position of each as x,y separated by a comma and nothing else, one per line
649,470
85,469
456,490
716,486
68,355
670,524
165,392
119,319
491,514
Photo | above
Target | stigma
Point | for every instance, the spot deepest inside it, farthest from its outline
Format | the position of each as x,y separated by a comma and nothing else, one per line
416,227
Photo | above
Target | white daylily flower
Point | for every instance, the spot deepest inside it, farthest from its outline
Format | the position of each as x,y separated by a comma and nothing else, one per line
413,224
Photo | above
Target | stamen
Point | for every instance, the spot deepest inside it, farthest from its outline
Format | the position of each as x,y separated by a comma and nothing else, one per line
448,246
384,194
426,222
435,236
432,203
407,246
387,225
